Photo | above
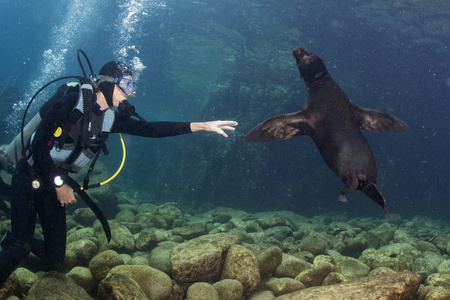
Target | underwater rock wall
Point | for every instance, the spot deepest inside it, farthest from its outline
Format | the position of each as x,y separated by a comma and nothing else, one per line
417,22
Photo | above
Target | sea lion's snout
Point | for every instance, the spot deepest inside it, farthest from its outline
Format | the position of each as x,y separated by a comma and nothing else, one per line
298,51
299,54
311,67
303,57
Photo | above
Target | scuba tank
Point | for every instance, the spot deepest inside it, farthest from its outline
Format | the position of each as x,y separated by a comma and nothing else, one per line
13,152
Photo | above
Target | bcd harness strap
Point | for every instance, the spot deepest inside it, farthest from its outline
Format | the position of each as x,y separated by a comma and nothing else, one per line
89,202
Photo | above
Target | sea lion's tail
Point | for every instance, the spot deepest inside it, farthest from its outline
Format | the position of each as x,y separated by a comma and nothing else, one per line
373,193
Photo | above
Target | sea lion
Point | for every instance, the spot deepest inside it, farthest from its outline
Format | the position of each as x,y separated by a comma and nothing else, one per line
334,123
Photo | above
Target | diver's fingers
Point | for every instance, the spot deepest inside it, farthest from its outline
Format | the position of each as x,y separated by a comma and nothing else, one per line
228,127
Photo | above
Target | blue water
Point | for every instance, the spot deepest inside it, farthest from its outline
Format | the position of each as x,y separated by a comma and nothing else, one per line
205,60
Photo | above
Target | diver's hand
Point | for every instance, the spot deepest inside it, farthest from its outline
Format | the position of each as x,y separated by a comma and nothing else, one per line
214,126
65,195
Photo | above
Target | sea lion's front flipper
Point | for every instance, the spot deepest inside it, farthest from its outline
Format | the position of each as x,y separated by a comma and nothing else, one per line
279,128
377,120
373,193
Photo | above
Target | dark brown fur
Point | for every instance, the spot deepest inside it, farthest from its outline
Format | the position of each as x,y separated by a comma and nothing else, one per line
334,123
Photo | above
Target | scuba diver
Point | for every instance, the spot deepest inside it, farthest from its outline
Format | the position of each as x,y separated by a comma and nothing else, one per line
74,127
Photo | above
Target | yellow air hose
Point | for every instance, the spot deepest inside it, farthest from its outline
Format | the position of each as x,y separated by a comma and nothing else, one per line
118,170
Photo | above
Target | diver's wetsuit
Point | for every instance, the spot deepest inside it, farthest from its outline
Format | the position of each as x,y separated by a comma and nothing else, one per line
26,203
5,190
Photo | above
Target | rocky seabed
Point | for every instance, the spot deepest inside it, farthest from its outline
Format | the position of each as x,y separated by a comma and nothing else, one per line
157,252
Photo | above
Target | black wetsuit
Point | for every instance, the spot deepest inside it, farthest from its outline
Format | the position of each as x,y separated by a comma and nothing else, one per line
26,203
5,190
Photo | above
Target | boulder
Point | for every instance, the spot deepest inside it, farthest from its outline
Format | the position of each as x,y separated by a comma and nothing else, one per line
424,246
320,259
221,217
103,262
398,286
134,227
442,241
83,277
280,219
121,239
202,291
240,264
125,215
54,285
155,284
334,278
146,219
444,266
84,216
159,257
278,232
291,266
261,295
146,239
396,256
308,256
400,236
168,216
179,291
261,238
85,250
286,285
243,236
190,231
70,261
77,233
438,293
382,271
119,286
269,260
315,243
315,276
427,264
380,236
229,289
350,246
438,279
352,268
202,258
140,260
18,283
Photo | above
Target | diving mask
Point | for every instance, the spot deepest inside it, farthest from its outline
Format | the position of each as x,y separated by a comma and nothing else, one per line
127,86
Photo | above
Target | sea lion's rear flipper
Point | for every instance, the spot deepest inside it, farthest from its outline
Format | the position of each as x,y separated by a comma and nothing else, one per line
373,193
351,184
279,128
377,120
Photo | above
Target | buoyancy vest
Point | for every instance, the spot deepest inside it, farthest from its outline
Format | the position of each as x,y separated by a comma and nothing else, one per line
83,134
99,127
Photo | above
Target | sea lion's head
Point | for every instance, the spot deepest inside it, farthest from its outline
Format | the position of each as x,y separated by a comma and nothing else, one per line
311,67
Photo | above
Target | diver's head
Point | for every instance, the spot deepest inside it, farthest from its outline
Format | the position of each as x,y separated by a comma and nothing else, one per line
116,83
